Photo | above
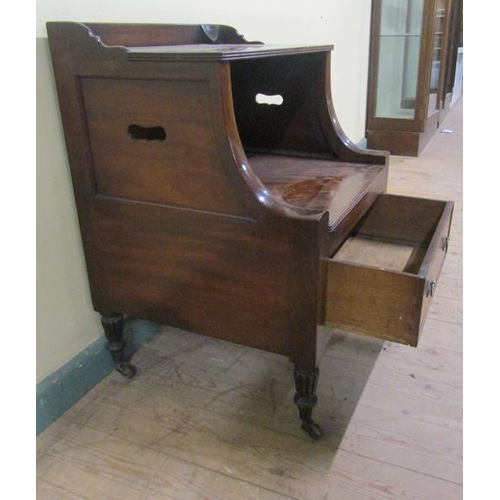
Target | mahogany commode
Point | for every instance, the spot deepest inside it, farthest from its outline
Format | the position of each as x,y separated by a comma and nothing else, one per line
216,192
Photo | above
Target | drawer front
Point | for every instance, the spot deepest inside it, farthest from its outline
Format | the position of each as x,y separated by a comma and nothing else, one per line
435,259
381,282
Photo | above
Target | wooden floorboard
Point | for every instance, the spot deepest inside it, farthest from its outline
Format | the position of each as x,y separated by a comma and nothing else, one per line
207,419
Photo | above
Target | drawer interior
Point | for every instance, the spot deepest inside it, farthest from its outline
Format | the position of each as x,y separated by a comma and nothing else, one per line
394,234
403,257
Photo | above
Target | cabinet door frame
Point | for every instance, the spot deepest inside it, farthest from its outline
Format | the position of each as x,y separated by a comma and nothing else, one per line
421,120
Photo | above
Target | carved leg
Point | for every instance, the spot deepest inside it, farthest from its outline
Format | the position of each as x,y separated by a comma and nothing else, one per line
306,399
113,328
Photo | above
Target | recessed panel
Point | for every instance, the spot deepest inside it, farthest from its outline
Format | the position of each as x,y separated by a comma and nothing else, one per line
152,141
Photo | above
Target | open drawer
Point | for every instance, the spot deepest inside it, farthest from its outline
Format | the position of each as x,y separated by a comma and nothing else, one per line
381,281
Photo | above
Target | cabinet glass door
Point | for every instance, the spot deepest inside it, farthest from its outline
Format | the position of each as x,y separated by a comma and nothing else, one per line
437,55
398,64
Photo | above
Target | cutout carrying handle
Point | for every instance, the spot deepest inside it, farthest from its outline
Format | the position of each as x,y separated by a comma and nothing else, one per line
137,132
271,100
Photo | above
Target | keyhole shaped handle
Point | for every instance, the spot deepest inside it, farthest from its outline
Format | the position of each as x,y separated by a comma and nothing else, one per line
137,132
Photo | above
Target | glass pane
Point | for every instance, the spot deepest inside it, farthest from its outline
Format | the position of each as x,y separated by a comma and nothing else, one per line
436,57
399,47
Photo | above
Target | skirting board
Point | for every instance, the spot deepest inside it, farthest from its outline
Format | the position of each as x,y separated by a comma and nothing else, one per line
63,388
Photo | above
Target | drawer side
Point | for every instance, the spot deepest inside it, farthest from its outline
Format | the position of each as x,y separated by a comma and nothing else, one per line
374,302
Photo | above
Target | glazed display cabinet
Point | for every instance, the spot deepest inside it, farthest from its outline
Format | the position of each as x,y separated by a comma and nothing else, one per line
407,77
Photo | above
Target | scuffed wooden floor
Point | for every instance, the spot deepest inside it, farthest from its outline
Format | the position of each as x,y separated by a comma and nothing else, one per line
205,419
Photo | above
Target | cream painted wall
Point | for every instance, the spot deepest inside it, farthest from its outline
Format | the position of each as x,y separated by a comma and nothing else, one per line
66,323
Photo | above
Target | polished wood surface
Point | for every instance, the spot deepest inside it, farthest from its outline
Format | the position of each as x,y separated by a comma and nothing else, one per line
317,185
211,419
173,227
219,52
213,185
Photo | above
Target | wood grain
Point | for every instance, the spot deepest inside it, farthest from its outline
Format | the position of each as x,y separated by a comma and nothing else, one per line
193,424
210,419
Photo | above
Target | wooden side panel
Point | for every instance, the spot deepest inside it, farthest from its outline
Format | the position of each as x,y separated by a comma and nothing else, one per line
204,273
153,141
177,229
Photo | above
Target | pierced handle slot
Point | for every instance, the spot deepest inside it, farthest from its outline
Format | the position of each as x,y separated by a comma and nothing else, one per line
136,132
272,100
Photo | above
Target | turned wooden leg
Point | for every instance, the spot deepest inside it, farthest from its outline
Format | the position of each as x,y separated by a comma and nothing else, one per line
113,329
306,399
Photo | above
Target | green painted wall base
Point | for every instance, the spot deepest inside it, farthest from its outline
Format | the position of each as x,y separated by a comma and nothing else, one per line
61,390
